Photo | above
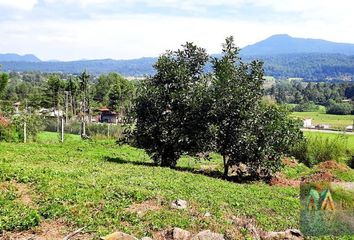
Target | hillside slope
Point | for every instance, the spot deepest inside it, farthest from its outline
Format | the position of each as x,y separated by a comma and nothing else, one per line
285,44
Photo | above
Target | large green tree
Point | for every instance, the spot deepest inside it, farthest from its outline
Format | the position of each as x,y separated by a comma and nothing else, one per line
172,107
250,135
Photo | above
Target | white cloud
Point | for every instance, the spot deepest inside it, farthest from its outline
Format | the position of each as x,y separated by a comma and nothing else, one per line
122,35
18,4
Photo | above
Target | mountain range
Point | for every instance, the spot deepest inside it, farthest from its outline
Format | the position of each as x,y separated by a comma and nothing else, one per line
284,56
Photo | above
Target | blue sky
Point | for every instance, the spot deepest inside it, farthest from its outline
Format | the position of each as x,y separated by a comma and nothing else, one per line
123,29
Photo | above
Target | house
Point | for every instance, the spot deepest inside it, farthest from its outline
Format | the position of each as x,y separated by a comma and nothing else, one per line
308,123
4,122
322,201
107,116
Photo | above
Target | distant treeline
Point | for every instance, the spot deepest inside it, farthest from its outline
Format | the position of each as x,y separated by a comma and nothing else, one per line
317,67
320,93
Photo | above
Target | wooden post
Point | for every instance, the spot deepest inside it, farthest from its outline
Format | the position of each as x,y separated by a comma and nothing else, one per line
62,129
108,128
24,132
66,106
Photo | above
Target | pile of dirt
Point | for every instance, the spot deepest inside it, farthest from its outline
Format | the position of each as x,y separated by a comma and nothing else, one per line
321,176
280,180
290,162
332,165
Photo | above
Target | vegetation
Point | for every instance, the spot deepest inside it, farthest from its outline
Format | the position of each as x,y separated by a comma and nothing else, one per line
339,108
95,184
320,118
183,110
172,108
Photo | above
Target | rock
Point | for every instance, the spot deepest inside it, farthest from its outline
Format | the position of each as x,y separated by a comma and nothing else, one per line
207,214
248,224
119,236
179,204
290,234
146,238
176,234
208,235
180,234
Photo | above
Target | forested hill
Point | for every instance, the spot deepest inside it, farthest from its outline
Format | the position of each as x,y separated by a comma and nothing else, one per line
310,66
284,57
285,44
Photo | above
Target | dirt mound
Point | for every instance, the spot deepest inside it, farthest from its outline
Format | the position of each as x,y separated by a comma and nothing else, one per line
330,165
323,175
280,180
290,162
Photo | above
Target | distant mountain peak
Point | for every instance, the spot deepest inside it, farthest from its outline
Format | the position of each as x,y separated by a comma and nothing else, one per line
286,44
13,57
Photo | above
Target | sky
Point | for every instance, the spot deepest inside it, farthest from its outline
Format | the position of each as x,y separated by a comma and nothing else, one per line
124,29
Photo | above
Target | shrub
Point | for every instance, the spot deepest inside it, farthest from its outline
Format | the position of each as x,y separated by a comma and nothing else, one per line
6,133
339,108
306,107
34,124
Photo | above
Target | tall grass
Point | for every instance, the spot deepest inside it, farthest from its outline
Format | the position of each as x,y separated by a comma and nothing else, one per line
318,148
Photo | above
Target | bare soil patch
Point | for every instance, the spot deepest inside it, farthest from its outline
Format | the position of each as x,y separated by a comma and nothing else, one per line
142,208
47,230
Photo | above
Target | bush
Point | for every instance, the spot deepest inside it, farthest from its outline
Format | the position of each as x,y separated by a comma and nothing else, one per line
6,133
320,149
34,124
339,108
306,107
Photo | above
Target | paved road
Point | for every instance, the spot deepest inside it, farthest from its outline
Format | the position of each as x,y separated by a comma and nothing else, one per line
326,131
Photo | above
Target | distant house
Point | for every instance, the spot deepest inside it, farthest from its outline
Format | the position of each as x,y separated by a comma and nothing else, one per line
4,122
308,123
107,116
322,201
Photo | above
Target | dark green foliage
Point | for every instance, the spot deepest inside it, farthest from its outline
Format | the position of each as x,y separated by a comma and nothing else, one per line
306,107
4,78
121,94
339,108
302,92
172,106
248,132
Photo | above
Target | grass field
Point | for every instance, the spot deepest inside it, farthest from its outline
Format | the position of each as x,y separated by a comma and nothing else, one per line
106,188
335,121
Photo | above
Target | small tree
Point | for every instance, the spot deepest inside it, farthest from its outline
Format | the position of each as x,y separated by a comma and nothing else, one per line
4,78
246,131
121,95
172,107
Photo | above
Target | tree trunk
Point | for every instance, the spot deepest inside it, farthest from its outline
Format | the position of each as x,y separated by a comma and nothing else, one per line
226,165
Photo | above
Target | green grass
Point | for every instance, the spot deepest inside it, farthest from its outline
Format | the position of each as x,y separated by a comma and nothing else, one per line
335,121
93,183
349,137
